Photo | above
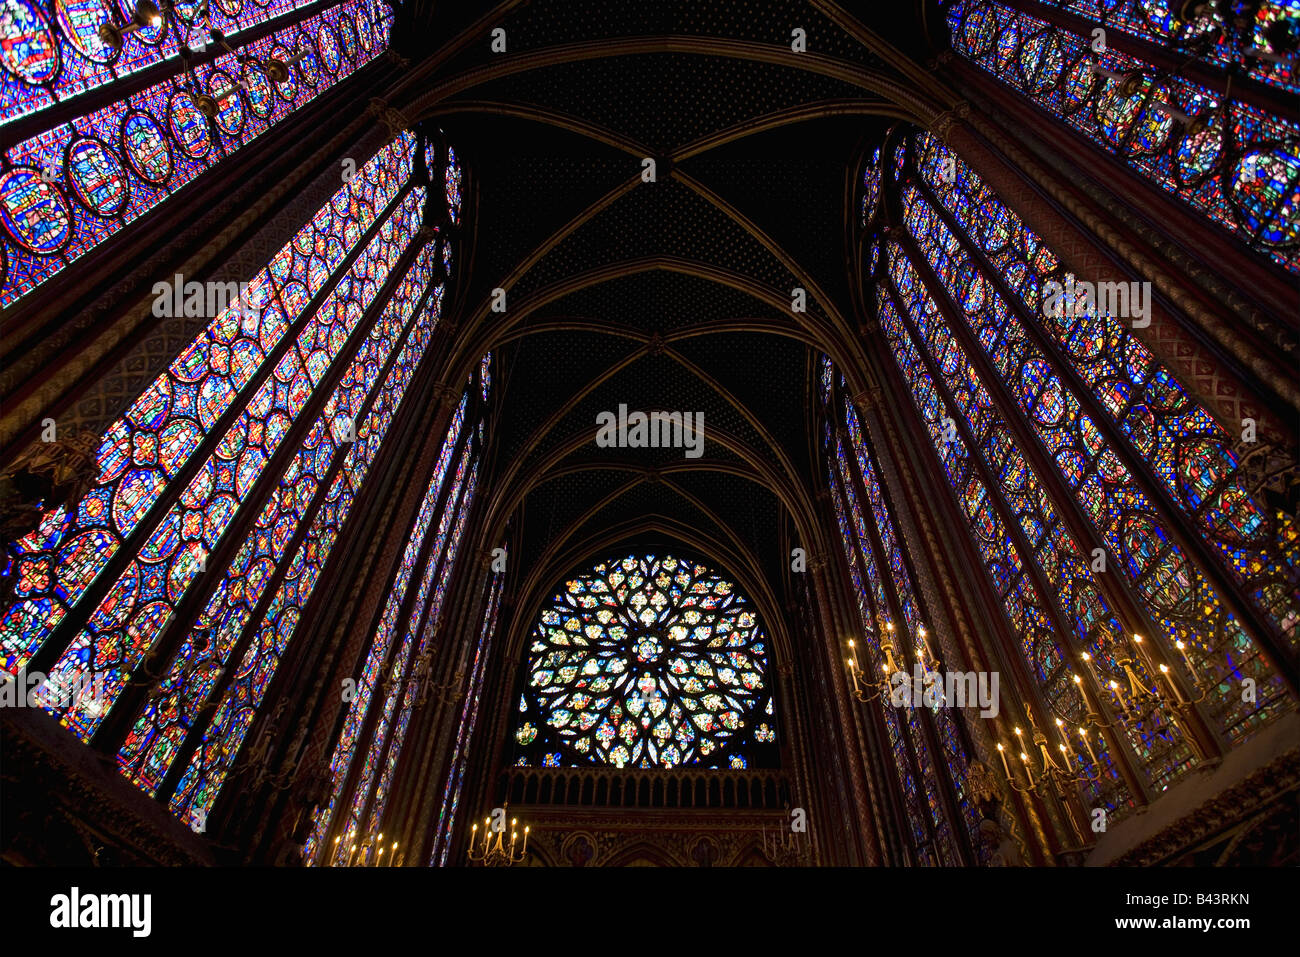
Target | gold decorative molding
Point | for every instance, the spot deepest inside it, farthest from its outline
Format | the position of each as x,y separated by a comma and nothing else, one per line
1219,814
394,121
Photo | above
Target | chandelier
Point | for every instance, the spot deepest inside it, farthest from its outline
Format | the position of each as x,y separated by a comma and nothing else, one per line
493,851
368,852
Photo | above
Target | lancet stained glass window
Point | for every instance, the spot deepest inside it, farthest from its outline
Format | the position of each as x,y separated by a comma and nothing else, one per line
1044,425
69,184
468,720
386,666
850,466
648,661
266,427
1236,162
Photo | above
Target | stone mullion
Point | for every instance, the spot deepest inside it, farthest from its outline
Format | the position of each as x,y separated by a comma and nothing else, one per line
905,737
90,347
1175,520
1006,647
956,823
1231,389
421,758
110,735
374,715
945,568
346,585
444,726
1047,594
80,612
956,820
867,778
376,512
1200,735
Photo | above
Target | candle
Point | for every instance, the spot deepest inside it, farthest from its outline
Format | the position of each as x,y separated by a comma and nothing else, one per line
1003,755
393,856
1065,736
1029,768
1114,693
525,847
854,651
1141,650
1083,734
1173,686
1182,650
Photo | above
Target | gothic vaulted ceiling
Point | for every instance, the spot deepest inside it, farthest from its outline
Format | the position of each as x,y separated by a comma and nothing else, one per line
670,295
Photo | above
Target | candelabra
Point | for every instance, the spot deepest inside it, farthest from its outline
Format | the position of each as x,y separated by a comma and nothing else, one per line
1054,773
493,851
443,692
866,689
1149,689
785,849
1050,776
1146,691
368,852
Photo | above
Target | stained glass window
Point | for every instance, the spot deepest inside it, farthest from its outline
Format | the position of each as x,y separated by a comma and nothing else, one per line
268,424
1063,438
381,666
70,183
648,661
157,439
468,719
875,595
1235,161
919,823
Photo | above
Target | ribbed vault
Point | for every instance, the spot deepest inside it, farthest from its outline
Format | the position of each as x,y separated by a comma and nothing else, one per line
671,295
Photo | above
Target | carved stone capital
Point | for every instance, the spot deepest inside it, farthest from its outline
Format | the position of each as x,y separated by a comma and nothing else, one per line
868,399
394,121
944,121
446,395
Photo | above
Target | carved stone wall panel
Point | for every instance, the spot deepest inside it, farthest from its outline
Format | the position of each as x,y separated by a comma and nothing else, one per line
646,839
